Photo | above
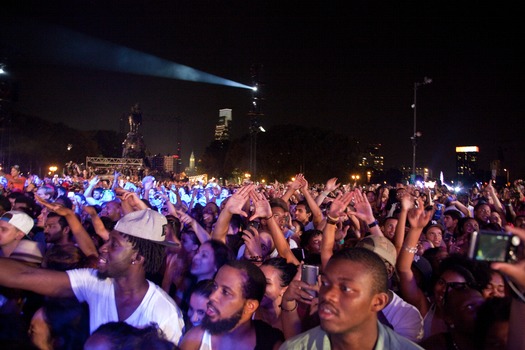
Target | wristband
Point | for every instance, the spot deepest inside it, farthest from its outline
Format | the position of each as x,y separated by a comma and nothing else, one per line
373,224
268,218
292,309
330,220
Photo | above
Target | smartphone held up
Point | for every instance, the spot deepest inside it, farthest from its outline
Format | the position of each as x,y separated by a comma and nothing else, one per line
309,274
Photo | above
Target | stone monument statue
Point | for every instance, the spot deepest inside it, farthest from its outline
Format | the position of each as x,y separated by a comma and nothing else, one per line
133,146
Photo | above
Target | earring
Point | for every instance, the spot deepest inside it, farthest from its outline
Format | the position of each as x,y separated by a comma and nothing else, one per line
133,262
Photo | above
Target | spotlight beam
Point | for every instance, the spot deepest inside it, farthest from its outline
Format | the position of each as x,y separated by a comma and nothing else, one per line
56,45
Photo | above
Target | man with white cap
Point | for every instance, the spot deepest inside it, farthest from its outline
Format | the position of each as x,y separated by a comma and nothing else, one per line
14,227
118,290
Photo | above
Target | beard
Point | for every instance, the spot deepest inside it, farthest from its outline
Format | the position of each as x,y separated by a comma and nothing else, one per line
102,275
221,326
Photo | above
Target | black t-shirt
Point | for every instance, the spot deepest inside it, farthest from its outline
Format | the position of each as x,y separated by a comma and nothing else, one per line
266,336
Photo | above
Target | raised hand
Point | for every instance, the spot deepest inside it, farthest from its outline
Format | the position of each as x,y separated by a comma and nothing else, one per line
252,240
339,204
407,202
53,207
297,183
186,219
516,272
298,290
419,217
261,204
94,180
363,209
331,185
236,202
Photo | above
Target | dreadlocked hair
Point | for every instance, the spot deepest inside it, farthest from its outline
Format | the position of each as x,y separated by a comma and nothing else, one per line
153,253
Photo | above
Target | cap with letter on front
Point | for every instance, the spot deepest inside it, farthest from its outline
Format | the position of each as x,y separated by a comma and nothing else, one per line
146,224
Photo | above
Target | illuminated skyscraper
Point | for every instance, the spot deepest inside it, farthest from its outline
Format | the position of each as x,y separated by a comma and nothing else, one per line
372,157
467,163
222,129
192,161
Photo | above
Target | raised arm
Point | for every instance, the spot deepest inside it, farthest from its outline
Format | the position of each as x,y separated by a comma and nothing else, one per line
188,220
264,211
115,184
418,219
516,273
85,243
296,295
407,203
317,214
330,186
130,201
494,199
92,183
294,186
337,208
98,225
234,205
363,211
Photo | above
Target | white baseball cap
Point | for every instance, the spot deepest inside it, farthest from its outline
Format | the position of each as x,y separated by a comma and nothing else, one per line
19,219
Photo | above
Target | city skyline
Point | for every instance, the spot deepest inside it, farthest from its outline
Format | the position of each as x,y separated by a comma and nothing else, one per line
351,72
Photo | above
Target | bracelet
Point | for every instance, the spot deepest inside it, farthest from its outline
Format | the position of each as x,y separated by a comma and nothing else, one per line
326,193
411,250
373,224
292,309
268,218
328,217
330,220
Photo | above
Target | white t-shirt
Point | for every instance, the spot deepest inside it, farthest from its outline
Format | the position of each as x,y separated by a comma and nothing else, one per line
405,318
157,306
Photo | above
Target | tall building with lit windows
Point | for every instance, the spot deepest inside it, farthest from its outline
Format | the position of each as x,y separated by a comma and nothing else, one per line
467,162
371,157
222,129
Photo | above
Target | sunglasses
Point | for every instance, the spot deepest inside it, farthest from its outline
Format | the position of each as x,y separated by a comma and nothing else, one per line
456,286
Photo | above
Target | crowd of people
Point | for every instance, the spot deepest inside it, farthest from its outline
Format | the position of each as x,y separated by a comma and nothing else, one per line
114,263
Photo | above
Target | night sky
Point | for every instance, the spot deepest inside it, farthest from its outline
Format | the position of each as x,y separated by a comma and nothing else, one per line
349,67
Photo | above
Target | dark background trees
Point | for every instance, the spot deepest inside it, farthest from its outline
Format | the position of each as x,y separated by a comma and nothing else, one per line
283,151
35,144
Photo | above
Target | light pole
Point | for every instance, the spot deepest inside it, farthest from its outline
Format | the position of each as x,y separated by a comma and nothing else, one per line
255,128
416,134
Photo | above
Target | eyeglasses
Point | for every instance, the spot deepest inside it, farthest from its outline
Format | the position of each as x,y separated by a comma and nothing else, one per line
455,286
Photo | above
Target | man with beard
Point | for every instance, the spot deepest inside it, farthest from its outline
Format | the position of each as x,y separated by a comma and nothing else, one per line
353,290
239,287
118,290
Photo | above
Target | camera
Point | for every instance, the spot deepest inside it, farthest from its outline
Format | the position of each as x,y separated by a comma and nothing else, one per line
254,224
309,275
493,246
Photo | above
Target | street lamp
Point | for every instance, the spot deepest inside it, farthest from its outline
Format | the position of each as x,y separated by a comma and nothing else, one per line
52,169
416,134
